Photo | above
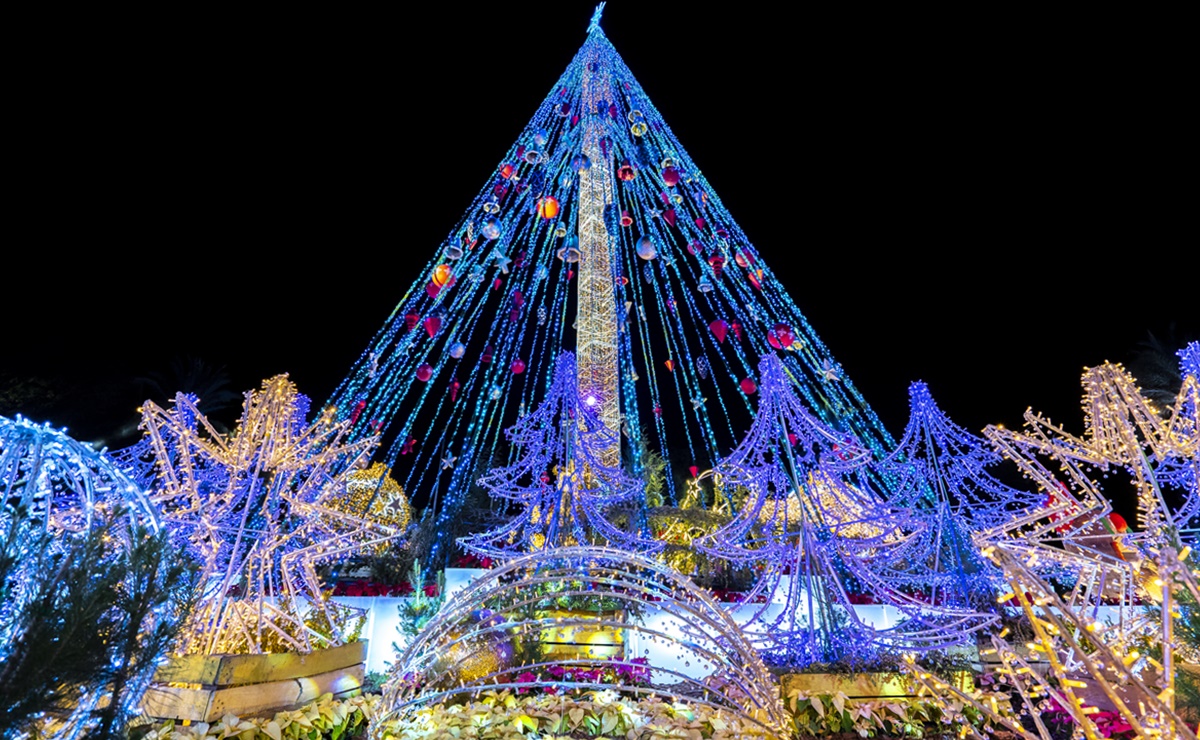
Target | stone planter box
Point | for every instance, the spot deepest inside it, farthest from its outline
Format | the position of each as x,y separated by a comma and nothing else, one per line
204,688
581,636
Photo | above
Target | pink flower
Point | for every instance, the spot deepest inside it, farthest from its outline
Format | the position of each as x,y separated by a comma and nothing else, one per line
431,590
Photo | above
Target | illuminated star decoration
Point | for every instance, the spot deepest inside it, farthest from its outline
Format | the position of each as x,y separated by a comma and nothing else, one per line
258,508
1122,432
448,462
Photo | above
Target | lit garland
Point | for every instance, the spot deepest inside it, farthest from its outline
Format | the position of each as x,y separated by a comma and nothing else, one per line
680,306
260,509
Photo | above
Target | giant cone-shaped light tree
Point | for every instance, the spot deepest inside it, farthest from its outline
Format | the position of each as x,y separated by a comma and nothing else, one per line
598,232
561,478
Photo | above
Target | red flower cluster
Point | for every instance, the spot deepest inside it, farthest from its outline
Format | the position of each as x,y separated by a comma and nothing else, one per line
369,588
472,561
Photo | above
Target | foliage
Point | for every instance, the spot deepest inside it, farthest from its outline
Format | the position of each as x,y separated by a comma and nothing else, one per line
105,608
506,716
324,719
823,715
418,609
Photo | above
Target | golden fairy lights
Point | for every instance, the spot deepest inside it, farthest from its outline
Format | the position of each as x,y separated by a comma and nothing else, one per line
260,507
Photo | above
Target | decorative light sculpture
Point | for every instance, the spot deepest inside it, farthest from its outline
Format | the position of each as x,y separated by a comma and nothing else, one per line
471,646
840,536
560,477
52,484
1078,659
1124,433
260,510
641,270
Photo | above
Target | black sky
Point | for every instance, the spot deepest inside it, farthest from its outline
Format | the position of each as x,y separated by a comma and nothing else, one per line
988,203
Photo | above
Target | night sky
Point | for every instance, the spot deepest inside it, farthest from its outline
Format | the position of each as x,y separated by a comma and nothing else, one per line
988,204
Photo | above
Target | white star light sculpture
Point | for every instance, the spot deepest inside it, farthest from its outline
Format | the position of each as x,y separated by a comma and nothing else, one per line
258,507
1123,432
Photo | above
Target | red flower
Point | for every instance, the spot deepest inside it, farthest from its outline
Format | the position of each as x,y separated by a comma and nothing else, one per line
403,588
431,590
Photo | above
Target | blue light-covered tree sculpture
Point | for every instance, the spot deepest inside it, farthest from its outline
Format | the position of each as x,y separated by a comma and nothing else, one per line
78,595
810,519
560,479
791,504
598,232
940,480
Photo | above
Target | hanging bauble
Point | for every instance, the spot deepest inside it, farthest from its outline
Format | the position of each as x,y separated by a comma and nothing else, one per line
670,365
541,272
736,328
755,279
563,110
702,367
569,251
742,259
667,162
639,128
695,248
645,248
518,298
626,218
507,171
718,264
648,272
432,324
454,252
457,350
785,335
748,386
547,207
541,315
719,328
491,228
441,274
626,171
581,162
411,320
491,204
424,372
636,115
670,176
704,286
533,156
432,289
486,357
669,216
560,231
540,137
518,366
